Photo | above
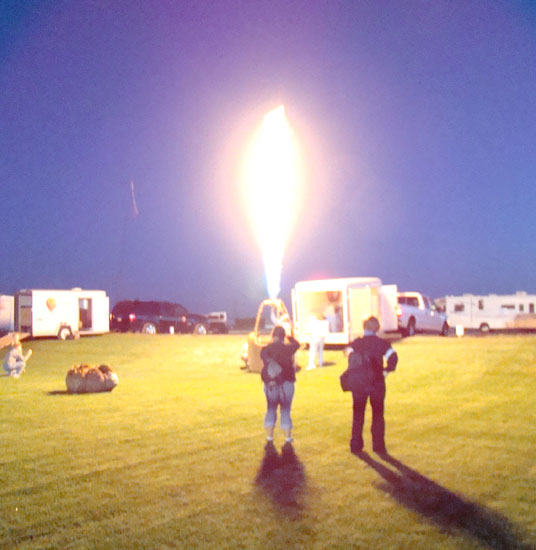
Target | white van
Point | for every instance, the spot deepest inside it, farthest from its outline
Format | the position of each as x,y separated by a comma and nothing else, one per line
7,313
345,303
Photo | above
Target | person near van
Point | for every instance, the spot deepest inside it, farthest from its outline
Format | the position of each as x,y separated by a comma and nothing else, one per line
333,314
279,391
368,354
15,360
318,328
281,319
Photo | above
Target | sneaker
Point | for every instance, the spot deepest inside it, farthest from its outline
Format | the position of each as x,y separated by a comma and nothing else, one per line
310,367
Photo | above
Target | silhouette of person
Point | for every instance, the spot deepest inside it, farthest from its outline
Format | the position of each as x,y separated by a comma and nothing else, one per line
367,354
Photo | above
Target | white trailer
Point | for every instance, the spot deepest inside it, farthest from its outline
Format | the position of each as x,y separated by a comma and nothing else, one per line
492,312
7,313
62,313
345,303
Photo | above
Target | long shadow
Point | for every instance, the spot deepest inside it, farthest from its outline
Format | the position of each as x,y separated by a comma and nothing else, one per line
282,478
445,508
66,392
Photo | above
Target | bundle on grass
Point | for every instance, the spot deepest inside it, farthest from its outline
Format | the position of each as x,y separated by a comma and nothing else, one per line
86,379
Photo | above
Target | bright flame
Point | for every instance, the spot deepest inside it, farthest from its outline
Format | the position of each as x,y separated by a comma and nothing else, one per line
271,178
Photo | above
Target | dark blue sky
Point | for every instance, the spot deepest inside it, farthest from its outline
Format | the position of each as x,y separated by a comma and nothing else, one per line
417,121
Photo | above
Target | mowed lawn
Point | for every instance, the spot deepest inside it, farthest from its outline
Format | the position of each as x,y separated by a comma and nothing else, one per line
174,457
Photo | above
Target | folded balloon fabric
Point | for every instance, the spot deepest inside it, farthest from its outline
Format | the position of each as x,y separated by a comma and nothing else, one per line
87,379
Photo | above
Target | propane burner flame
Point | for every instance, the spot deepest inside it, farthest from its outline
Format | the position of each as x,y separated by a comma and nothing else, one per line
271,181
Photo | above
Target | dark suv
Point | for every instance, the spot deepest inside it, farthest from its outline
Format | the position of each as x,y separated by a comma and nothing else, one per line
155,317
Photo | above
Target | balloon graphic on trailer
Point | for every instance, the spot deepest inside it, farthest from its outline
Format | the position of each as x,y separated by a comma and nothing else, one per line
51,304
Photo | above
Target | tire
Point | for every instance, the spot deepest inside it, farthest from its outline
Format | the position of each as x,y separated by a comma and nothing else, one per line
410,330
200,329
484,328
445,329
149,328
64,333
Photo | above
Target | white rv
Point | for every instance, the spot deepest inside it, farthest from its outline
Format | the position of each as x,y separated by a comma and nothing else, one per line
7,313
62,313
492,312
345,303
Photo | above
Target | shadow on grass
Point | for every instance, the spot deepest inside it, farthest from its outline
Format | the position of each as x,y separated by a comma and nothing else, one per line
445,508
282,478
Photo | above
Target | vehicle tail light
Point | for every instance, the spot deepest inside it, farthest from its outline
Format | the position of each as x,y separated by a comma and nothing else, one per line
398,311
132,317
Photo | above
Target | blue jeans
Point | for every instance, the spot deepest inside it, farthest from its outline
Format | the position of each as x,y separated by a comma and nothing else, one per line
16,369
279,396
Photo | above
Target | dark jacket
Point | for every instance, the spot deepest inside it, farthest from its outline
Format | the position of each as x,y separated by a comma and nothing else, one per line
283,354
373,350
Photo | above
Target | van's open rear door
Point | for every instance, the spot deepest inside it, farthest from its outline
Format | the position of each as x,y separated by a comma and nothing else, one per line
389,301
100,314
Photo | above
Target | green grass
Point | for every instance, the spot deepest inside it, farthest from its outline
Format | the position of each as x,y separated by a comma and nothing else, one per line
169,458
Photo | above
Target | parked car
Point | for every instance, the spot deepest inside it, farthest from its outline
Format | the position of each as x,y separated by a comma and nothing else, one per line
418,313
154,317
217,322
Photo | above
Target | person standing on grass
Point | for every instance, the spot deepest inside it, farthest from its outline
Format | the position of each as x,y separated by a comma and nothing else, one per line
318,327
278,374
367,355
15,360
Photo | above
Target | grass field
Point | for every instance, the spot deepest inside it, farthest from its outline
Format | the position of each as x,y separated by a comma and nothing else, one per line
174,457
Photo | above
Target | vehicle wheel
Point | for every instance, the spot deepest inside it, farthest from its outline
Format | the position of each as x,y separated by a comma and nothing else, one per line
64,333
484,328
410,331
149,328
201,329
445,330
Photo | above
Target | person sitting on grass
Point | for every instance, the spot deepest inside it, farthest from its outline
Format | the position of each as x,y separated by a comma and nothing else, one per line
15,361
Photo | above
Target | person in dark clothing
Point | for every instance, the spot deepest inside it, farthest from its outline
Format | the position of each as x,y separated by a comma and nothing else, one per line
279,392
367,354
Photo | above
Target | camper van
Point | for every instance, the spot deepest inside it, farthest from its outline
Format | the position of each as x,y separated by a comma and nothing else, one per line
7,312
345,303
62,313
492,312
